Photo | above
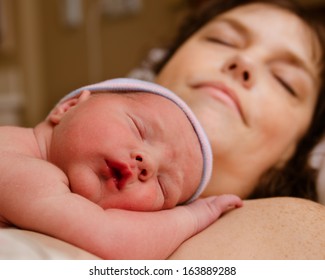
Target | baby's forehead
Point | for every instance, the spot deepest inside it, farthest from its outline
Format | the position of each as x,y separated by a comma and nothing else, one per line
155,108
163,115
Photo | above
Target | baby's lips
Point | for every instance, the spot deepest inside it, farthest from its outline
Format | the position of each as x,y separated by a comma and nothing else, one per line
120,172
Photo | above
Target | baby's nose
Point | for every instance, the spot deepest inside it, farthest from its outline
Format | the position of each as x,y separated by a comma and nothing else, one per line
146,167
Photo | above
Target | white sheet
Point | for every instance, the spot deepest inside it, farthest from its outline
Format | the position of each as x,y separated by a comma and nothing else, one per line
16,244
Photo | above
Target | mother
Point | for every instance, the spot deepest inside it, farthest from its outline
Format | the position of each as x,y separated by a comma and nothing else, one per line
253,72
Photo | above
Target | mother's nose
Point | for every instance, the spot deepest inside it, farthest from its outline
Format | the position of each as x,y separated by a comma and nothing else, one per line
145,166
241,70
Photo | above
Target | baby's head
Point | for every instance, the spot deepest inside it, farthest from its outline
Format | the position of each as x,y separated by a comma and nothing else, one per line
155,153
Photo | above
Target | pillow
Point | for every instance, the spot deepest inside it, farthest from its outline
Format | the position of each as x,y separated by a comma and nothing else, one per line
317,161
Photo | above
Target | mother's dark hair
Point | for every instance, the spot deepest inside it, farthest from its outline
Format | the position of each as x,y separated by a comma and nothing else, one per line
296,177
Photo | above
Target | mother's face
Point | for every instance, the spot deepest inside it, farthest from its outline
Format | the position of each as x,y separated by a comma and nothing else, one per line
250,76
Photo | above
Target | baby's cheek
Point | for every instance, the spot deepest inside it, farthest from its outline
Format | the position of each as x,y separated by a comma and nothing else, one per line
147,199
84,183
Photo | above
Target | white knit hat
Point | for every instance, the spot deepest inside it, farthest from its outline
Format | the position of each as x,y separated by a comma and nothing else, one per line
124,85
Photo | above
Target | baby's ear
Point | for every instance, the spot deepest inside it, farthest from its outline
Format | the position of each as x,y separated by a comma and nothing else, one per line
60,109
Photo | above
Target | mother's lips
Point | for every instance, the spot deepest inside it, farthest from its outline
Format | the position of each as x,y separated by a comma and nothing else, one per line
224,94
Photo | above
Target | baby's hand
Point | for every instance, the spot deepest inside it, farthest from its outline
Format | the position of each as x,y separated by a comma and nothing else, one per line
205,211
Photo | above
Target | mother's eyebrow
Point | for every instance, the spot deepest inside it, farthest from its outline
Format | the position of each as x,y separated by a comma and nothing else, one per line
240,28
290,57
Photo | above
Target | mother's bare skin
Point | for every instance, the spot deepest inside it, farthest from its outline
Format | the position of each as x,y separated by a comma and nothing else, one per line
273,228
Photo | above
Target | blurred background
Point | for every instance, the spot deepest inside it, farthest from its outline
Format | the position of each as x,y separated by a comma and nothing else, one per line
50,47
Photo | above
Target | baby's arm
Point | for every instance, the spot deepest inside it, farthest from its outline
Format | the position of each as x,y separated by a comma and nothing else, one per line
35,196
121,234
160,233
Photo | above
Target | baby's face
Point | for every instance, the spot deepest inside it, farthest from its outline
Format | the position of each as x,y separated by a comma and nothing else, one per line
128,151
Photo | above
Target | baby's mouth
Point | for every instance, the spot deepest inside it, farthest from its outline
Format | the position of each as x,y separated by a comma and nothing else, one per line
117,177
119,173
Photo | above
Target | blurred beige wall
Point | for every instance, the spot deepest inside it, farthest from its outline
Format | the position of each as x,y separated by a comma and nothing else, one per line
53,56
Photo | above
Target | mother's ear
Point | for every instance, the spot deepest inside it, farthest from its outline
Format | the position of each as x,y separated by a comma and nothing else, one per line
60,109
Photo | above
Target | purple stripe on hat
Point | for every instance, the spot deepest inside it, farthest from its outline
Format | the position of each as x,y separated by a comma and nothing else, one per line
132,85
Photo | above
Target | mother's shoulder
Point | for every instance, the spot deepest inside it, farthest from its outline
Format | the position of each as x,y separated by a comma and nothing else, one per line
272,228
